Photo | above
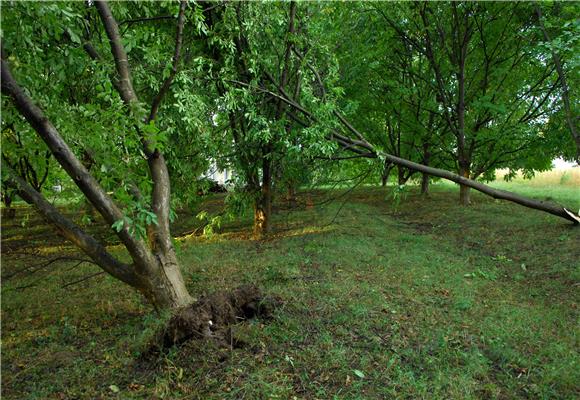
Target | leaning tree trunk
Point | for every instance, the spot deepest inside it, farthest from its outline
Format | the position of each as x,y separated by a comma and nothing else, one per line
363,148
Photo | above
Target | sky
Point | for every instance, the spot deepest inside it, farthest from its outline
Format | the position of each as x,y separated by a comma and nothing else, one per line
559,163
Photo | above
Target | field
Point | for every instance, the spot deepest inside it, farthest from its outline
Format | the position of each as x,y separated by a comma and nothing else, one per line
405,298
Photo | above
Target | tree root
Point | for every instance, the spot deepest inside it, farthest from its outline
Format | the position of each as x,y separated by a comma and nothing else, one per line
211,316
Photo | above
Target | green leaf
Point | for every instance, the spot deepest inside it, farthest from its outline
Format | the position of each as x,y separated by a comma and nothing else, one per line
118,225
358,373
74,37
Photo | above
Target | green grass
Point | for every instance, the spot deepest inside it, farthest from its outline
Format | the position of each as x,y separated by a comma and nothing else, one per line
418,299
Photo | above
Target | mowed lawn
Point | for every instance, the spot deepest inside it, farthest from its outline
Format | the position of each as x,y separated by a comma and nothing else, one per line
409,299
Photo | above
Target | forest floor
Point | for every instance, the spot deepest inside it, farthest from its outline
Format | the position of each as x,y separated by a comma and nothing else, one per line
412,299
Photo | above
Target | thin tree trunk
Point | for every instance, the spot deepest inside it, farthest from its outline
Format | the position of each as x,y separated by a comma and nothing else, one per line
291,193
263,210
9,212
425,184
386,172
401,175
426,159
263,206
384,180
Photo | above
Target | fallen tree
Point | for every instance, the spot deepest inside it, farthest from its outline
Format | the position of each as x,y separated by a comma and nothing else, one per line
549,207
363,148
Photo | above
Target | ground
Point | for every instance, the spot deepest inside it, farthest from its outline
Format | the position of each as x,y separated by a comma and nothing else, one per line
404,298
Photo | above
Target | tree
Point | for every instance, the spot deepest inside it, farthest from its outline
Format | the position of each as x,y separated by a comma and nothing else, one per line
247,64
526,108
154,270
28,159
475,56
390,95
566,42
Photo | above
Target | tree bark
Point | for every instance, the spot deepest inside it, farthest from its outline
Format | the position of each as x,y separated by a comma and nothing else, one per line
425,184
464,193
401,178
386,172
426,160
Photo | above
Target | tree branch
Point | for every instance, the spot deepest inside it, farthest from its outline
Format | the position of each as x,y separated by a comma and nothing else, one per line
74,168
119,53
175,61
88,244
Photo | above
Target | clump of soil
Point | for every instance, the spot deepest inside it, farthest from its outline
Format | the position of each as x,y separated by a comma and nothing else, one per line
211,316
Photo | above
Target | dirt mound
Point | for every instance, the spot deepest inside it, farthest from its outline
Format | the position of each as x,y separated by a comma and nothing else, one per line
211,316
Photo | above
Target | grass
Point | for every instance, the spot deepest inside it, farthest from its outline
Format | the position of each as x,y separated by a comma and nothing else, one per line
406,300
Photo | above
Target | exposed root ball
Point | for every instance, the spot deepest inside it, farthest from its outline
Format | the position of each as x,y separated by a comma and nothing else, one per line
209,317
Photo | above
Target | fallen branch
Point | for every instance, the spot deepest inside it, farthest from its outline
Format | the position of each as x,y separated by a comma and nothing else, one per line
551,208
362,147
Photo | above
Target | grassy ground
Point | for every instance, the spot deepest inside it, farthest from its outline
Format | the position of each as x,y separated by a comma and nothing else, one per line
406,300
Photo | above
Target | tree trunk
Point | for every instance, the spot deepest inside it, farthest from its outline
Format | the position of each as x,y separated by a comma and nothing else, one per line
291,194
401,175
386,172
9,212
464,192
464,195
384,180
261,219
263,206
425,184
166,289
154,272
